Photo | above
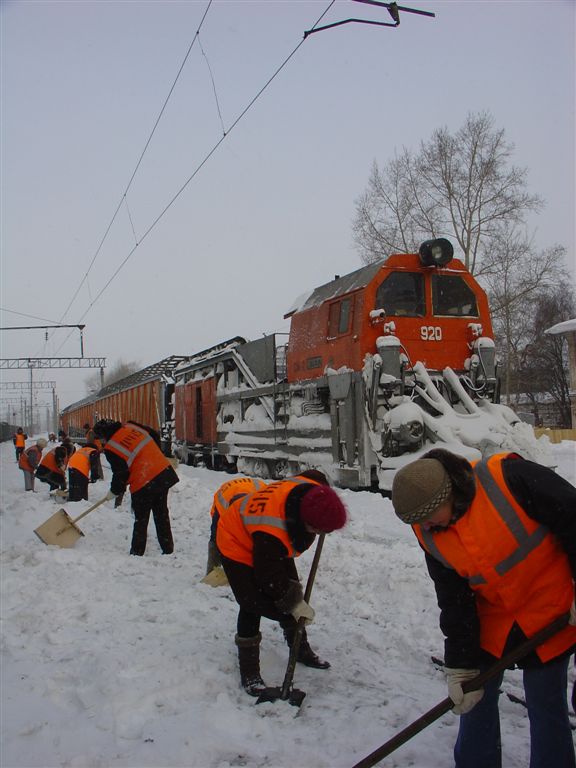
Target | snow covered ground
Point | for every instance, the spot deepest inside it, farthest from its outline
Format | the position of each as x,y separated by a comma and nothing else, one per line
111,660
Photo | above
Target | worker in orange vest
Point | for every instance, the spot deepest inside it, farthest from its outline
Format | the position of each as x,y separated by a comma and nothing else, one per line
82,468
258,537
19,439
29,459
52,468
91,439
136,459
228,492
500,543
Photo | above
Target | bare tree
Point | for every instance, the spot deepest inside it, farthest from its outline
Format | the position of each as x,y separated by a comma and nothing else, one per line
516,276
545,359
461,186
119,370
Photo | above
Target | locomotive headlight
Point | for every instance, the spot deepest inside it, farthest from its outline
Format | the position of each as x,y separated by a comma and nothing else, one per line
436,253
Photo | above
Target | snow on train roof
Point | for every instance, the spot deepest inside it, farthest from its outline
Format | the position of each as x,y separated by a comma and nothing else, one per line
341,285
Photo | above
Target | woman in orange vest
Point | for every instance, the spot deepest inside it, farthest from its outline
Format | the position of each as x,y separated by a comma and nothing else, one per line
134,454
228,492
52,468
29,460
500,543
19,441
82,467
258,537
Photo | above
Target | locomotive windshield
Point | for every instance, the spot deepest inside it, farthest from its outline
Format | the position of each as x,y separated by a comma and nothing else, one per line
402,294
453,297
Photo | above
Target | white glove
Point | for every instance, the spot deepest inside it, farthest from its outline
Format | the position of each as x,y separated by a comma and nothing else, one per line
572,619
109,496
463,702
303,610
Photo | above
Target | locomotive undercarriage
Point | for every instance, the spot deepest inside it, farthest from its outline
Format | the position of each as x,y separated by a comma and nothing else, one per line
360,427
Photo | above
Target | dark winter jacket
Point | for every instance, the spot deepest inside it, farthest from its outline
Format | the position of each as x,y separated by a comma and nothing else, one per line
545,497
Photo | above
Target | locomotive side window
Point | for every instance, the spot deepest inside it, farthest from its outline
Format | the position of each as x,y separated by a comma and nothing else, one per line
453,297
339,317
402,294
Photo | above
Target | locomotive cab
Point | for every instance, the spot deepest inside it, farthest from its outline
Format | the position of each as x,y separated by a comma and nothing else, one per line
422,307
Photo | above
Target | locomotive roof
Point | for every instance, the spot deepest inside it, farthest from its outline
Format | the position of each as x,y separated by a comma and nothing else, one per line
341,285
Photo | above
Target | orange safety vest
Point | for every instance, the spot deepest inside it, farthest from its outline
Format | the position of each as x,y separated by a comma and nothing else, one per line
262,511
24,461
80,460
138,449
49,461
239,486
515,566
20,440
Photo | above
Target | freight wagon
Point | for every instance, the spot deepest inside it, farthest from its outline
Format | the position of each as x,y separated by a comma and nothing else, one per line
145,397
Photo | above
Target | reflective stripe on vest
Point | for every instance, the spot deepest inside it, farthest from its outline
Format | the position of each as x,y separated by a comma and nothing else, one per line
261,511
526,541
129,456
221,496
517,569
144,459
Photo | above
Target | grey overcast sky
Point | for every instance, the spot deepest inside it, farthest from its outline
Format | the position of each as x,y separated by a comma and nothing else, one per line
268,216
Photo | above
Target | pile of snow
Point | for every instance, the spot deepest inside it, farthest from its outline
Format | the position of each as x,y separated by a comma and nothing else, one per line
111,660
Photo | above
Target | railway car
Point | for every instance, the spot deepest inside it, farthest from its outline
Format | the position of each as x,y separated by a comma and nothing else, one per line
145,397
379,365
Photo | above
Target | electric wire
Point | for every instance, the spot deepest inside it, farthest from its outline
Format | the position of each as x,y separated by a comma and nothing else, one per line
134,172
203,163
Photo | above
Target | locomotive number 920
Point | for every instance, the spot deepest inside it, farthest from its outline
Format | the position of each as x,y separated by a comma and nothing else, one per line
431,333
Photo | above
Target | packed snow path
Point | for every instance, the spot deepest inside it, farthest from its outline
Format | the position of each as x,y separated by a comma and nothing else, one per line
110,660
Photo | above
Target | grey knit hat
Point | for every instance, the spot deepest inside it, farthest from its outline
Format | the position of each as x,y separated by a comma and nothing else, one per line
418,490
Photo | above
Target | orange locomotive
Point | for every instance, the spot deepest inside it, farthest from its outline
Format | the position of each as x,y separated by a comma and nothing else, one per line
380,364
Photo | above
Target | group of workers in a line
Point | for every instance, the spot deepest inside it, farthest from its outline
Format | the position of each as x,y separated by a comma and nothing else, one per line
82,465
499,540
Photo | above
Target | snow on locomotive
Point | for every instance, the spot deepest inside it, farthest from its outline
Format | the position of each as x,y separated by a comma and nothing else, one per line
380,364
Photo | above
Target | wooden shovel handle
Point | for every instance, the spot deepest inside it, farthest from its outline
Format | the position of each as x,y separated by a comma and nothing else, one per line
91,509
288,677
471,685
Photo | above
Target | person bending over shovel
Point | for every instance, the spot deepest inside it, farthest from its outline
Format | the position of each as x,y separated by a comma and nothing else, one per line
134,454
258,537
500,543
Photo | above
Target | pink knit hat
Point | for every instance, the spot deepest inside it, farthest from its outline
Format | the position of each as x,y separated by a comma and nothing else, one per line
322,509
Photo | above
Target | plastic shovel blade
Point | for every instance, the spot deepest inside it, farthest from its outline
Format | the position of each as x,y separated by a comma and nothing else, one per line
59,529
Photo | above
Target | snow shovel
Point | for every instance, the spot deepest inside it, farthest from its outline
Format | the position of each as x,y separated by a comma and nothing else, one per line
471,685
216,578
61,530
287,693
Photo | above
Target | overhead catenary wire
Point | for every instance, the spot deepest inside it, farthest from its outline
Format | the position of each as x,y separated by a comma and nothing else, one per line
139,162
202,163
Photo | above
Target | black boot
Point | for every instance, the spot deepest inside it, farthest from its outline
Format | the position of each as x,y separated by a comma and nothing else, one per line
249,659
306,655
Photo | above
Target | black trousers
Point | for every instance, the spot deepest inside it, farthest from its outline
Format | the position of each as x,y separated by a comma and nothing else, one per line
253,602
77,485
157,503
